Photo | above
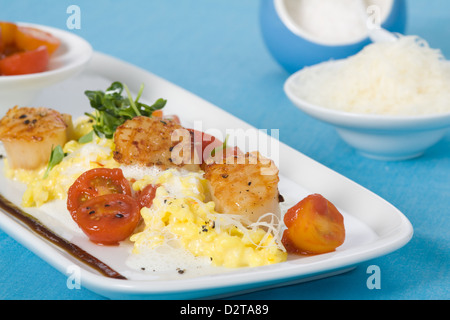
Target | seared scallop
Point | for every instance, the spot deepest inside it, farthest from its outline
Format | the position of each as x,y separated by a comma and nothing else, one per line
29,134
245,185
153,142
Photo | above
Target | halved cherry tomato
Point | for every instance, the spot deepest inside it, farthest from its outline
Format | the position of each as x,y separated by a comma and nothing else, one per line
94,183
25,62
145,196
29,38
314,226
108,219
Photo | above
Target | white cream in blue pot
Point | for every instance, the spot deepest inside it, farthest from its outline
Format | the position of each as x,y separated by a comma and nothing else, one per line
301,33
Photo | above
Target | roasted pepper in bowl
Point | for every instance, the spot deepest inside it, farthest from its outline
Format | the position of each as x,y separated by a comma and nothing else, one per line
25,50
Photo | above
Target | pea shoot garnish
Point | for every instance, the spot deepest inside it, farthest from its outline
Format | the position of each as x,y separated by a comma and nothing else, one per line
56,156
113,109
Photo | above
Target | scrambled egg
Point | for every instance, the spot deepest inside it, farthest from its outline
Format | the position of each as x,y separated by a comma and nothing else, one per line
79,158
180,216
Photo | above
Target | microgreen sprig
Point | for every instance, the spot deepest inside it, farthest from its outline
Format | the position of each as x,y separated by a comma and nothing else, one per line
56,156
223,146
112,109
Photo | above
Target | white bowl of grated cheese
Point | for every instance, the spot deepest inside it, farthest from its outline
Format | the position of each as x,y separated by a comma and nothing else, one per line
390,101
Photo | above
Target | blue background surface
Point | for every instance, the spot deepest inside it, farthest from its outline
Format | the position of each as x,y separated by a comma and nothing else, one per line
215,49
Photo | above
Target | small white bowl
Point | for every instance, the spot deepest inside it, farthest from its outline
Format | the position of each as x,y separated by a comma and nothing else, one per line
379,137
71,57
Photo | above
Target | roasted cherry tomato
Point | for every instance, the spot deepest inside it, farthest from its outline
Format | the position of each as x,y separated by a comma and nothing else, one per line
108,219
8,32
29,38
172,117
145,196
203,144
158,113
314,226
94,183
25,62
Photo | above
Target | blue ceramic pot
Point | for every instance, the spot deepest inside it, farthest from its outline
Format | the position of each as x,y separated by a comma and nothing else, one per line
293,52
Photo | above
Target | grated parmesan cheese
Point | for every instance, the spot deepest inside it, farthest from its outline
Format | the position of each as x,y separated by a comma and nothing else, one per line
405,77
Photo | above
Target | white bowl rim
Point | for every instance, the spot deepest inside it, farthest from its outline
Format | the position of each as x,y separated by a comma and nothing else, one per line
66,38
281,10
363,120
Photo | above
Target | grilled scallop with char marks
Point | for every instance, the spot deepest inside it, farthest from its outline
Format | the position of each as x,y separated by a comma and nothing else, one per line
153,141
29,134
245,185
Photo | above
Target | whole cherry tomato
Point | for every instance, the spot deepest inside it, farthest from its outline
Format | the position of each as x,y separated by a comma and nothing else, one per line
314,226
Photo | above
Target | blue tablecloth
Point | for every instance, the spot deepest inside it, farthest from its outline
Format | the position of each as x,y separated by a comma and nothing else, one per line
215,49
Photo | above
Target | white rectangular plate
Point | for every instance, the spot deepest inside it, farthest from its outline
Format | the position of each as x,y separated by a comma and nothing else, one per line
373,226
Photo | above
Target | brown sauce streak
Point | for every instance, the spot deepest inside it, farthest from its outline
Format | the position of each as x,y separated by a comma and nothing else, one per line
37,227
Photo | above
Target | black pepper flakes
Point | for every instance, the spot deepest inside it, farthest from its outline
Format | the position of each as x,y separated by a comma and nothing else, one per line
180,271
224,176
